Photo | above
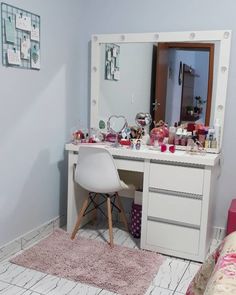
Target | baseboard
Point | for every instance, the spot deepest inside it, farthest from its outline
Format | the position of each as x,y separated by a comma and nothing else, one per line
28,239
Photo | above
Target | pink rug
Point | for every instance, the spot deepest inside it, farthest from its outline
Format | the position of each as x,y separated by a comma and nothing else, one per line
122,270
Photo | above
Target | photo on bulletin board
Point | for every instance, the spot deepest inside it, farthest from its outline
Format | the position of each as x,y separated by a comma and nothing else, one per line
20,38
112,62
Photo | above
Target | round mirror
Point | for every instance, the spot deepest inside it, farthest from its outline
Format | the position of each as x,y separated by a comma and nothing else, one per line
143,119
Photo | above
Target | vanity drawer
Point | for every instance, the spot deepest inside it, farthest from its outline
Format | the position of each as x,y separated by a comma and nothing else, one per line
176,178
173,237
176,208
129,165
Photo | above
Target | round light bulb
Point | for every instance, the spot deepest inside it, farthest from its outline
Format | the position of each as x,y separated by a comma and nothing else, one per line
226,35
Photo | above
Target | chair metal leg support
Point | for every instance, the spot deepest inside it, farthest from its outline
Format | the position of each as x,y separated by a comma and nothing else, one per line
95,202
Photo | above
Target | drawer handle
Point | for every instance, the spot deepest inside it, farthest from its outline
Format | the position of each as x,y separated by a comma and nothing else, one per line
128,158
179,164
168,221
175,193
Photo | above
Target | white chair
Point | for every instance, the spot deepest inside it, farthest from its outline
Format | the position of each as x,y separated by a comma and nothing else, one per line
97,173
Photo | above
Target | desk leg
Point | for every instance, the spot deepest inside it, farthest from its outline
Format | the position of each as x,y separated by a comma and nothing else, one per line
145,203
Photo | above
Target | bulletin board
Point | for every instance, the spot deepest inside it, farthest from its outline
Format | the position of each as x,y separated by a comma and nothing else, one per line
20,38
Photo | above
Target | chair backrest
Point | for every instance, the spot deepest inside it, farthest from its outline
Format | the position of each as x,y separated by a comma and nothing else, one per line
96,170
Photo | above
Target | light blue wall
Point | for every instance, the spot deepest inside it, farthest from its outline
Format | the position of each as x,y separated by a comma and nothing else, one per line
132,16
37,110
133,88
201,82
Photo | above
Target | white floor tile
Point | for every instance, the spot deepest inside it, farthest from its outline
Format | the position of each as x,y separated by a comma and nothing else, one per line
158,291
28,292
52,285
131,243
82,289
7,289
188,276
20,276
104,292
170,273
120,236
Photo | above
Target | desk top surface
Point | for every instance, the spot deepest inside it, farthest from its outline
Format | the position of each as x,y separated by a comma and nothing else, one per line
146,153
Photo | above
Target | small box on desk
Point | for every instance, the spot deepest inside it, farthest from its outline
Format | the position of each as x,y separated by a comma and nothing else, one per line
231,223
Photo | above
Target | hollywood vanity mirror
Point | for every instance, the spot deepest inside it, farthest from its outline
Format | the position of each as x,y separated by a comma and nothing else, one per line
176,76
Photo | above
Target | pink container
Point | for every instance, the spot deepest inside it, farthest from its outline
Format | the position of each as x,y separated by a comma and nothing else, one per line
231,223
136,216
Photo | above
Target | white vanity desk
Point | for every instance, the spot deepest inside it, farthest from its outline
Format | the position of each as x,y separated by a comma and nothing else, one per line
178,198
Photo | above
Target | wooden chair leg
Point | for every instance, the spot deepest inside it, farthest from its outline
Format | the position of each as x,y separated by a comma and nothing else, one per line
122,212
80,216
110,221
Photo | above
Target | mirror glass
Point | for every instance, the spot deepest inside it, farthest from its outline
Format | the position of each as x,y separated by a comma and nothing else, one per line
169,80
116,124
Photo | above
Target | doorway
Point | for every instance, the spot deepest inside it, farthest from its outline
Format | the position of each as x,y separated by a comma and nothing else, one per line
164,71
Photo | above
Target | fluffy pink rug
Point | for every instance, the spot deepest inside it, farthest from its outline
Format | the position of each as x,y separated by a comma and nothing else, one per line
122,270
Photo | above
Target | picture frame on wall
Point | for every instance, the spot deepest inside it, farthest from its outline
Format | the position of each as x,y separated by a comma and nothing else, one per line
20,38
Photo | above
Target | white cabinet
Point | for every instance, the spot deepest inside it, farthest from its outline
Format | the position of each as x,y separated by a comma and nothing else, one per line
177,209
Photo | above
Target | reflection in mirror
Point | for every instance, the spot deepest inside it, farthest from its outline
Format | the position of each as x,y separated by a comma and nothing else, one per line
173,81
144,120
183,82
131,94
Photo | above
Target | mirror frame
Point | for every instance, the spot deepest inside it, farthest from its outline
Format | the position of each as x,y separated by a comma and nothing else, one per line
223,37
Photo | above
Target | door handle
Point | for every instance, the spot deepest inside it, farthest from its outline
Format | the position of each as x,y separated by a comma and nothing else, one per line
155,105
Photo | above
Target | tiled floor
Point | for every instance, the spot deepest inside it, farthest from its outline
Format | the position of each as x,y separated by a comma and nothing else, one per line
172,278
